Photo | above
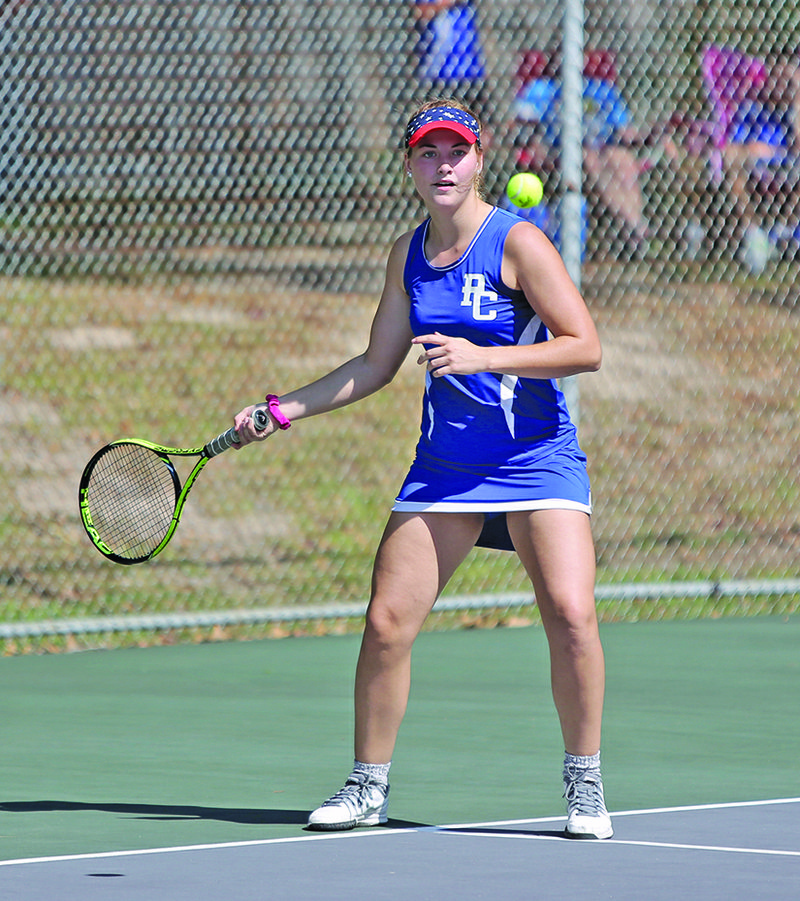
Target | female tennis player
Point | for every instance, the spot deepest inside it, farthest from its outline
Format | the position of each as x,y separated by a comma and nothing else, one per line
487,303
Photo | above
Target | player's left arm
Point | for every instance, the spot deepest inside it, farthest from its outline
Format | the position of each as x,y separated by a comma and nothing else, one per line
530,264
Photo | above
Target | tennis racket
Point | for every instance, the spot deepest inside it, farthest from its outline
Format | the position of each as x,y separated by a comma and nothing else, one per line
131,498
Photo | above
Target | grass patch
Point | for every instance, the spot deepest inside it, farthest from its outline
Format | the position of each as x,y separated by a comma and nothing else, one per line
691,430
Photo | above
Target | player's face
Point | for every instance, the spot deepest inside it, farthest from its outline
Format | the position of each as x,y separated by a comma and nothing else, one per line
444,166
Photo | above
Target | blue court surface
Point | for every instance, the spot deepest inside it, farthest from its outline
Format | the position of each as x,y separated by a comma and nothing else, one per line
737,852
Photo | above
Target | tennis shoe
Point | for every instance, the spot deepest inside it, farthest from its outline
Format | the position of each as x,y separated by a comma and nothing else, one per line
587,816
361,802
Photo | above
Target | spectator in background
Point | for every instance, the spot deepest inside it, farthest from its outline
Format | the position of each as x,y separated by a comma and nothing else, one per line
611,142
761,153
449,52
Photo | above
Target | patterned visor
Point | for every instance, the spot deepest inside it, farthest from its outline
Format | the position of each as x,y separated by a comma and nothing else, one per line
443,117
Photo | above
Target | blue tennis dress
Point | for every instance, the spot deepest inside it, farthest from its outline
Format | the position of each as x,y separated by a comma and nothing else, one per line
489,443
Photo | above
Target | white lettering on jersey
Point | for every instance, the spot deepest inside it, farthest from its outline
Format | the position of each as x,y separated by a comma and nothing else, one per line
474,293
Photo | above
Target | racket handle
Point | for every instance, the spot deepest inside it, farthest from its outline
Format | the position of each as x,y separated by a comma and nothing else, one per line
260,419
228,439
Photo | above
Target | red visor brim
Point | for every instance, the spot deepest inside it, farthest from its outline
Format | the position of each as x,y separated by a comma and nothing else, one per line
469,136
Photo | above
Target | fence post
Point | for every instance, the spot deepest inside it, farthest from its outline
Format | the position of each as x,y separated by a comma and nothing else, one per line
572,162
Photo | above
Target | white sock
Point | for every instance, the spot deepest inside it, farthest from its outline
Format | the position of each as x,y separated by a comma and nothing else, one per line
377,772
578,762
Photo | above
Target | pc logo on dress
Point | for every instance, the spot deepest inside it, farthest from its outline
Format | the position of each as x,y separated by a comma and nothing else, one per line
474,293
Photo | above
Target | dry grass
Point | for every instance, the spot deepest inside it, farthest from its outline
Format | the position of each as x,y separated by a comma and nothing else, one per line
691,429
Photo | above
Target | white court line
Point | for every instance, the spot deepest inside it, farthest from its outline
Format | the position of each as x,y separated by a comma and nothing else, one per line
289,839
769,851
360,833
476,832
628,813
722,806
363,833
476,827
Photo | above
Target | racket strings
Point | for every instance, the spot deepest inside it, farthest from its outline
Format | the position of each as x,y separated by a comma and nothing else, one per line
131,497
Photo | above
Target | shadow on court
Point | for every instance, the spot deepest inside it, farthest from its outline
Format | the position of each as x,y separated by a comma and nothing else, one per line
507,831
165,812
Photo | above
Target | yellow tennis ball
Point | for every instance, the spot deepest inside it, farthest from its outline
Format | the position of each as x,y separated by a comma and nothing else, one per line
525,189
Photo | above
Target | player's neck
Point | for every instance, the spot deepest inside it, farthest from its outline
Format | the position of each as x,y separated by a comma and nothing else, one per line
451,232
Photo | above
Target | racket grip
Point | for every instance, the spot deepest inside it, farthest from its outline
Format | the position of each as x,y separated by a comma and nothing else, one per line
228,439
221,443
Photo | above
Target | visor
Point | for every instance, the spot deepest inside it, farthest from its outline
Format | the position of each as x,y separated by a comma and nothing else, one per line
449,117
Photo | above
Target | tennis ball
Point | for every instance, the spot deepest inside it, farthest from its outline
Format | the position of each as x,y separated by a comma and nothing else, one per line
525,189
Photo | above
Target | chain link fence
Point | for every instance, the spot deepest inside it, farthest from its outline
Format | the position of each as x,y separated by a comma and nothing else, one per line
196,202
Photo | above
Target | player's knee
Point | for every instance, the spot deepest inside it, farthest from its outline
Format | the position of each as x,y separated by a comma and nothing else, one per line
387,627
575,618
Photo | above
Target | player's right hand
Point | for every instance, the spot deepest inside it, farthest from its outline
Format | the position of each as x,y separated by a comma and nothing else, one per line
246,428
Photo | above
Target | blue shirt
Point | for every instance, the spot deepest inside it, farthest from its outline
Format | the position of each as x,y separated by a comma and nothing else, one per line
487,417
754,121
449,47
604,110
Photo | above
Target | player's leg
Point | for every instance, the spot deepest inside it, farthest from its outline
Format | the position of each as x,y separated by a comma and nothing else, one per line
557,550
739,161
417,556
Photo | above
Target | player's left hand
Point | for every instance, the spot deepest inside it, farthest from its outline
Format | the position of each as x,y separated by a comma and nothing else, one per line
450,356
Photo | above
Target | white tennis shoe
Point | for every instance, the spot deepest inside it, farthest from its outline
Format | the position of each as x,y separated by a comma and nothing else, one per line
587,816
361,802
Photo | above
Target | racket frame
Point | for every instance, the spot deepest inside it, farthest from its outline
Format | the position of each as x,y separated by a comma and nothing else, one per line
212,449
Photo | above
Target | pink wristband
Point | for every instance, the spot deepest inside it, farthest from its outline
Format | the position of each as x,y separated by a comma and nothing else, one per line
274,407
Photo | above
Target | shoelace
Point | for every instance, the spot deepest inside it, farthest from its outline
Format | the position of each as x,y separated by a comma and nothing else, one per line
353,791
583,790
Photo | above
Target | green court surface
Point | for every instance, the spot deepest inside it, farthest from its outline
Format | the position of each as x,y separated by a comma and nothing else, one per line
189,745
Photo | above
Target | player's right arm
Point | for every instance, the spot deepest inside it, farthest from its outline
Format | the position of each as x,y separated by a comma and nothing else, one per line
389,343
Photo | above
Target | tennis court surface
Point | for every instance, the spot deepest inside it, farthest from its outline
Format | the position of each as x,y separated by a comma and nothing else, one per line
188,772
